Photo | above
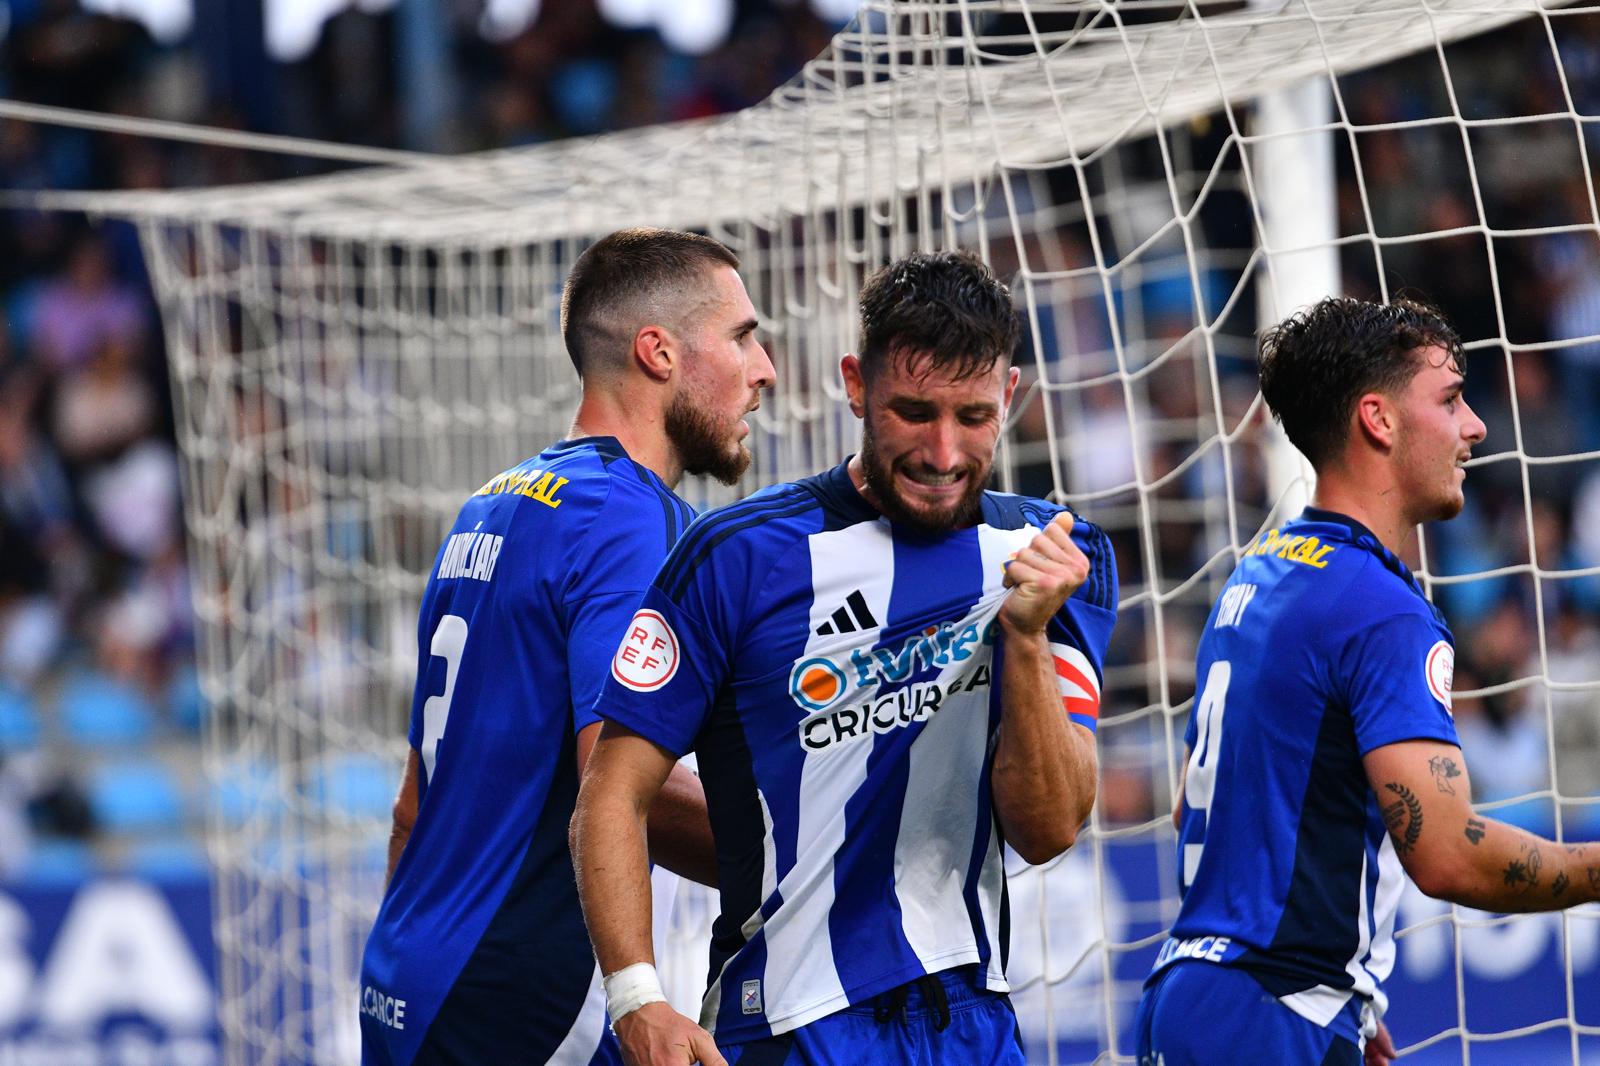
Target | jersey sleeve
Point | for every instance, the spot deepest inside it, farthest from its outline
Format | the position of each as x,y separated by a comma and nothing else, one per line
629,536
595,623
1081,631
675,653
1397,675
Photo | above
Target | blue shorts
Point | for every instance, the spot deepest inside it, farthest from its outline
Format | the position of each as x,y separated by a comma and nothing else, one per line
1198,1014
914,1025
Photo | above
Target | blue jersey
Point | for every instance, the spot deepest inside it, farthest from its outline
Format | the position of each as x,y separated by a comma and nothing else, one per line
519,623
836,676
1320,649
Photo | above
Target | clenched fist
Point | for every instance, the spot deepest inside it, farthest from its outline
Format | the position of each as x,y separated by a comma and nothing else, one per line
1042,576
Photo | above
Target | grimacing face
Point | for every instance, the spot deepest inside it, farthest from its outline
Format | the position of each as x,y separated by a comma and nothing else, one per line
724,370
928,439
1434,438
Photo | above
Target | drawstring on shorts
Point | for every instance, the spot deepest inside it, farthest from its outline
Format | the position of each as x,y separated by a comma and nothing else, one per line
893,1002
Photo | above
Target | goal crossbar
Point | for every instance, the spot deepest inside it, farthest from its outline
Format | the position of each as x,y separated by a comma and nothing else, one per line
863,115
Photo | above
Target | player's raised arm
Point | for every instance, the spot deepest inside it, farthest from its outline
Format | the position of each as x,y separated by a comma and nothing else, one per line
1044,763
1455,854
624,774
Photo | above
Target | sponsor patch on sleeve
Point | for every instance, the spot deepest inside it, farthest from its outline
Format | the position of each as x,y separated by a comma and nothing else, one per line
1440,669
648,655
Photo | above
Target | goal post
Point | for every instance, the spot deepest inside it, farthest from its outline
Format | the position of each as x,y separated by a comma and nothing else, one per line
352,355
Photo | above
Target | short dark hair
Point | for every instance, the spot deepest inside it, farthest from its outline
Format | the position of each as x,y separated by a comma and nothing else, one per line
1318,362
619,284
945,307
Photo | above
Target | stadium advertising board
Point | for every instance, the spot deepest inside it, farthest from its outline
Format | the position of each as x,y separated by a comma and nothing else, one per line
111,972
120,972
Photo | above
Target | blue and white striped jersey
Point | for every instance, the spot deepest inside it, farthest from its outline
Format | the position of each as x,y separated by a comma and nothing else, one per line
519,622
836,676
1320,649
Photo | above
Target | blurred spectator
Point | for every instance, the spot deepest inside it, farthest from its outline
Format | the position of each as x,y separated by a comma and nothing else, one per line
86,313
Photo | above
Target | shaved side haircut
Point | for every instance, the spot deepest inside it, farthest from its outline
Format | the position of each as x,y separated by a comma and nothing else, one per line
628,280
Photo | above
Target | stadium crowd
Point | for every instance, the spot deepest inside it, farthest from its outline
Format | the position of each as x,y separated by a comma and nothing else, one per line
97,654
99,699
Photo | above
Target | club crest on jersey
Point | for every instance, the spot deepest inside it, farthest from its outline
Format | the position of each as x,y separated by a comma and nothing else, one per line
1440,670
648,655
819,682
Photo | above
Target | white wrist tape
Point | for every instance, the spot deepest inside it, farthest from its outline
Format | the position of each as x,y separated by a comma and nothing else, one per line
631,988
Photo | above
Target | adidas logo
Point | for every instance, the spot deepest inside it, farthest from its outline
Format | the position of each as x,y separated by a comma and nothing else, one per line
852,616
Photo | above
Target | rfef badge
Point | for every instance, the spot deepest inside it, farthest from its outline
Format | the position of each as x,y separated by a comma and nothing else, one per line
648,656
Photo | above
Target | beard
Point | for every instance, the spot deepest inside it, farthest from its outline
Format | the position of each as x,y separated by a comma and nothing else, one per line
703,445
879,476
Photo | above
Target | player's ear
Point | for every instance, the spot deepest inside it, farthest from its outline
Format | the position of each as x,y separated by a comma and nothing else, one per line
655,352
1376,419
855,386
1013,375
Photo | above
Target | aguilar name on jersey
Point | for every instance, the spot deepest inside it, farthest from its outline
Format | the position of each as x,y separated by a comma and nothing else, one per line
519,623
1320,649
837,676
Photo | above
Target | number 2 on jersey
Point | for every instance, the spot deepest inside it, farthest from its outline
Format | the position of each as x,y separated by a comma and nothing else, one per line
1201,777
449,639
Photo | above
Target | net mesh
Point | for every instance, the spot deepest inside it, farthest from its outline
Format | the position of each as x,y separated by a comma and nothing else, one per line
352,355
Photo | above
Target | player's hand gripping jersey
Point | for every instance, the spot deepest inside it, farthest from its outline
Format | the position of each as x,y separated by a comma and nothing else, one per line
838,678
519,622
1320,649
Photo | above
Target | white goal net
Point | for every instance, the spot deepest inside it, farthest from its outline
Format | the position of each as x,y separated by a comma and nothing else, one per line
352,355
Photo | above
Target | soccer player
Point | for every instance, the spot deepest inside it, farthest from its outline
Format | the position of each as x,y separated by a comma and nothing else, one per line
479,954
1323,757
886,672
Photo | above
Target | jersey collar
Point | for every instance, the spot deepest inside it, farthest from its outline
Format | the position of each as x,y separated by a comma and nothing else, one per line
839,494
608,447
1362,537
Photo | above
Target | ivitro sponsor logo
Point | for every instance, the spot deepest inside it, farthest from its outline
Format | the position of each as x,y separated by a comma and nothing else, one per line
819,682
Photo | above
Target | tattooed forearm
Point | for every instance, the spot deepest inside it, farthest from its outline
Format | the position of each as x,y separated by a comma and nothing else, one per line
1522,874
1403,818
1559,885
1443,768
1475,830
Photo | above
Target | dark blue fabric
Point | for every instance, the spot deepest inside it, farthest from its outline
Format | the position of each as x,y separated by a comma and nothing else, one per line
1201,1014
480,928
981,1031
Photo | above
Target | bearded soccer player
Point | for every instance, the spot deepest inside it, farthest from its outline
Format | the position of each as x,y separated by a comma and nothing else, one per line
479,954
1323,757
887,672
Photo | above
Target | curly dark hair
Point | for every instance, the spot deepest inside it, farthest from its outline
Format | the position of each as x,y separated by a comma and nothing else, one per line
1318,362
945,307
